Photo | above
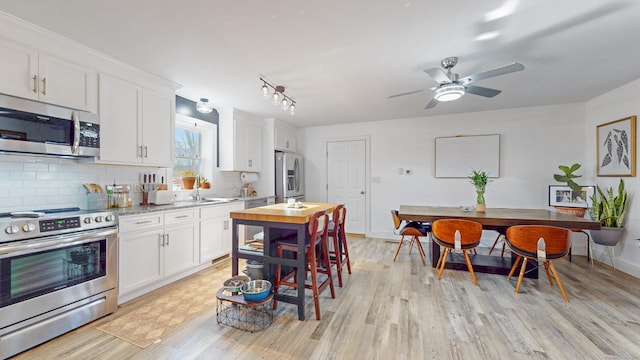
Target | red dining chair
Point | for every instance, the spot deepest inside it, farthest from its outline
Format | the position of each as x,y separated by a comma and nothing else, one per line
339,254
316,251
532,242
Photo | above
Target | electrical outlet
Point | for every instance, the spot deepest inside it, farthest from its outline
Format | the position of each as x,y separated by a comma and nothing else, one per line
409,171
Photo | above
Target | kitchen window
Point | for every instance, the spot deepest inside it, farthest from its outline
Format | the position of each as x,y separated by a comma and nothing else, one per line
195,148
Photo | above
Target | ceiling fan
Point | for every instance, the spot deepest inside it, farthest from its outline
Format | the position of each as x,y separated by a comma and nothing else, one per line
451,87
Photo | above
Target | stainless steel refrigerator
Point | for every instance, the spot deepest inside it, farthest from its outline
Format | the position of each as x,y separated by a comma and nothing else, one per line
289,176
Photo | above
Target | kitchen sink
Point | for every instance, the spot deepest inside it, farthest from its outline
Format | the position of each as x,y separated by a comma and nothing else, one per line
211,199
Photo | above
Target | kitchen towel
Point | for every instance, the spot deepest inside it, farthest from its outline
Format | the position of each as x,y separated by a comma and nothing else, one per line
248,177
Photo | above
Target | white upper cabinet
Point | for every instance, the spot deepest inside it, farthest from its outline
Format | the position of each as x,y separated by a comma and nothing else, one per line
31,74
240,141
136,124
285,139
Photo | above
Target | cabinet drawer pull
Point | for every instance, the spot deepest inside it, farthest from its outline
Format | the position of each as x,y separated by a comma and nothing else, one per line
44,86
182,216
143,222
35,84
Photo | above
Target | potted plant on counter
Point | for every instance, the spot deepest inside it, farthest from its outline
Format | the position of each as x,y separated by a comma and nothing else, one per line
480,179
204,183
568,177
188,178
609,208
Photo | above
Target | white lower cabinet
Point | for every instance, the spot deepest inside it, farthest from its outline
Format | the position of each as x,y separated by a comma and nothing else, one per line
215,230
156,249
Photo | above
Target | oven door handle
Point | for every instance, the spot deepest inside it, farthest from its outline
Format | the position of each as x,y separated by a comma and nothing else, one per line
54,242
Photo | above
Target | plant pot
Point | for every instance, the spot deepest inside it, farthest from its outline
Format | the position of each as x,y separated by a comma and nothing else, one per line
205,185
572,211
188,181
608,236
481,207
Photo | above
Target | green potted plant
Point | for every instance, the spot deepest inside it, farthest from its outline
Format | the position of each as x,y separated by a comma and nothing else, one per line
480,179
609,208
204,183
568,177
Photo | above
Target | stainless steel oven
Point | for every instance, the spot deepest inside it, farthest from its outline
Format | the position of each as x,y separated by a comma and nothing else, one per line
57,272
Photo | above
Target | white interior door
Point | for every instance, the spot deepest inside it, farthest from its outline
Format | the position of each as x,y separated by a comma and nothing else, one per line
346,174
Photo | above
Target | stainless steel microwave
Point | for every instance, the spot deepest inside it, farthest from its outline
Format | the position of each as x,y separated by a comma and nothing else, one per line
33,127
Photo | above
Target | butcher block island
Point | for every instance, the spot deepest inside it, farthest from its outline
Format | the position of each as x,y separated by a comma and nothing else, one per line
278,220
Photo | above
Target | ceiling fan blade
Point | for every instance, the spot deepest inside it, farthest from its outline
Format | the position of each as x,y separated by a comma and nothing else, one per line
438,75
407,93
431,104
482,91
502,70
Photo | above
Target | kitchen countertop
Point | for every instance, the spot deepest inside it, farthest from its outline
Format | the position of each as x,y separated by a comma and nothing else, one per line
183,204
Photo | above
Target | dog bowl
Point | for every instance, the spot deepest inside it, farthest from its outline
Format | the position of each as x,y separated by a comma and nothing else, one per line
235,283
256,290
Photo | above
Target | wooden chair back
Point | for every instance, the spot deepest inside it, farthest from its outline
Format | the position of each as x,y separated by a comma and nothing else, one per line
318,227
525,237
339,214
445,230
396,219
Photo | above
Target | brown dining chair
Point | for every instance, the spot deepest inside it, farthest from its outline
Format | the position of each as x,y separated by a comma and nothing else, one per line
339,254
317,260
456,234
538,243
413,230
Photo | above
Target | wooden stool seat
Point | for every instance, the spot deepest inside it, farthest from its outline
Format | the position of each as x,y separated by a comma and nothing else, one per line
316,253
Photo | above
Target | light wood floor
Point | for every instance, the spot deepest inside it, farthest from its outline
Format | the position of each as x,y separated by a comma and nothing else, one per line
400,310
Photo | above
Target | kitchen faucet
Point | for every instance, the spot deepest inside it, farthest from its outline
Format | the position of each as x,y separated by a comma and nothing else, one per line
196,189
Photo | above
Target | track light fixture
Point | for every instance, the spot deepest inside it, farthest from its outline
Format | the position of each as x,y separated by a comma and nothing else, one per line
278,96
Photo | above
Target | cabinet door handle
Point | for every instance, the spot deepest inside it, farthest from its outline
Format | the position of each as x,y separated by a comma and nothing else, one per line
35,84
161,240
146,153
287,144
226,224
250,163
140,151
44,86
167,235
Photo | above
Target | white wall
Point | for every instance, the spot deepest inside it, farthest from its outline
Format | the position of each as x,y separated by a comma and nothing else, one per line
533,142
617,104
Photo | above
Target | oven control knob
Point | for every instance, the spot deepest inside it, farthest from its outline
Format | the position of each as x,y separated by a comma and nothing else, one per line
99,218
11,229
109,218
88,220
29,227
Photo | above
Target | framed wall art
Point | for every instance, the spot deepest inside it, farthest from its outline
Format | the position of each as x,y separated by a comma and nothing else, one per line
616,147
564,196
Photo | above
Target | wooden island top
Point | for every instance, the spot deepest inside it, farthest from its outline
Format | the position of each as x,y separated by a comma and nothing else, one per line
282,213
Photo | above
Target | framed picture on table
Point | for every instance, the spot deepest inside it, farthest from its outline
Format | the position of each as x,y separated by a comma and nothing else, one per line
616,147
564,196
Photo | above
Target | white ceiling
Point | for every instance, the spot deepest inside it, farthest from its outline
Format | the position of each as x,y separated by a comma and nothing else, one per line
341,59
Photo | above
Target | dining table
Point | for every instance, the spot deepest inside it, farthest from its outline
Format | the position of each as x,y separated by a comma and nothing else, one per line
278,221
497,219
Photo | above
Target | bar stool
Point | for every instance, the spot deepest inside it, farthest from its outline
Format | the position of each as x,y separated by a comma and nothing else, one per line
538,243
318,238
456,234
413,229
339,255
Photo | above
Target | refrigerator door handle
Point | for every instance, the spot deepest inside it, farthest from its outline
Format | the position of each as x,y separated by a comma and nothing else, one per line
296,171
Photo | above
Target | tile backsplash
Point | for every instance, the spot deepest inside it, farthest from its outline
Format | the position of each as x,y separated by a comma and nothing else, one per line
32,182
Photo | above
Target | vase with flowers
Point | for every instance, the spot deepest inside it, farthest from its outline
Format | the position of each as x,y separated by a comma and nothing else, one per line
479,179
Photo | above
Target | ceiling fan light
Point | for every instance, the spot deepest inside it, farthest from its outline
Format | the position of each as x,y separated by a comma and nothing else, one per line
204,106
449,92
